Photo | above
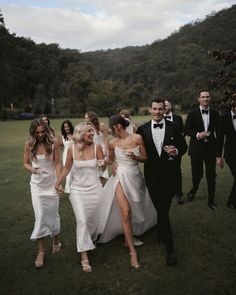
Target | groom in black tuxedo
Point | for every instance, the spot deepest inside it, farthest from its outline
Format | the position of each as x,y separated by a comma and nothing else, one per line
201,125
226,138
164,144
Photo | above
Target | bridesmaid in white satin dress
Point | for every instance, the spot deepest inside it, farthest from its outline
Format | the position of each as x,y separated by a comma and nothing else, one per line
86,191
127,207
42,160
65,139
100,137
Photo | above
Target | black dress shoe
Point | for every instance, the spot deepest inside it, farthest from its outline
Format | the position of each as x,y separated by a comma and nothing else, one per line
231,206
171,259
159,240
190,196
179,200
212,206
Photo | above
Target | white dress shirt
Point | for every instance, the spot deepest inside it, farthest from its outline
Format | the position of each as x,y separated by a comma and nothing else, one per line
158,135
205,118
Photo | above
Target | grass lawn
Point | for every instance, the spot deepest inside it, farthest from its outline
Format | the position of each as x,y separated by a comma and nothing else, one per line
205,240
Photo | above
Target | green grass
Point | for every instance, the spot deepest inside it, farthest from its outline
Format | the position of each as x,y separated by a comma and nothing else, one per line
205,241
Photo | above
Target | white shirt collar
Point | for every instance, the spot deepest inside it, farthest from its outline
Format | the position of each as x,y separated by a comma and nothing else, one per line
162,121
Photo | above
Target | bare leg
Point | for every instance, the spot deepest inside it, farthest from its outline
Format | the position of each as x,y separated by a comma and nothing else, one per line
39,262
126,223
85,262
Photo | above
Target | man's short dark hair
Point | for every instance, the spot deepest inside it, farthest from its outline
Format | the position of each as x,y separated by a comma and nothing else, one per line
157,100
202,90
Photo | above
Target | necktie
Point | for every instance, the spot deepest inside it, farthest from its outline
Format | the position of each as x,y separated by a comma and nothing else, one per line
205,112
234,117
160,125
168,117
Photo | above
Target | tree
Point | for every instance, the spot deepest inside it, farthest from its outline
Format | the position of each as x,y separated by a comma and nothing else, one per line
225,79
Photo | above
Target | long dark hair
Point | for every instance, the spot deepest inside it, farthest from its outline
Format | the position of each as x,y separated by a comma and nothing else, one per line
93,118
68,122
115,120
49,122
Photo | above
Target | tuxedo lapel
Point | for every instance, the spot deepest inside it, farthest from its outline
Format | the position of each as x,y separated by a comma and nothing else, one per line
151,144
167,135
200,120
230,123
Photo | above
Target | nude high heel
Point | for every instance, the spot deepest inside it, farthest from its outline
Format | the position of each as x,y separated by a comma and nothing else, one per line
39,262
86,266
56,248
133,255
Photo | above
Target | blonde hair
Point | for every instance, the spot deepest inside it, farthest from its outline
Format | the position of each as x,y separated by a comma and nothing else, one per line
32,140
79,131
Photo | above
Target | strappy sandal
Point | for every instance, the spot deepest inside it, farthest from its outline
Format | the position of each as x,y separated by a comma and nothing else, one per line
137,242
39,262
86,266
136,264
56,248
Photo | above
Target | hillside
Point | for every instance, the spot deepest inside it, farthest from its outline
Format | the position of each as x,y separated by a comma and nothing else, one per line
46,78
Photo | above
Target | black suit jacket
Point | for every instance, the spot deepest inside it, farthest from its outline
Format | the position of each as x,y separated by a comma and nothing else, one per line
178,121
226,137
193,125
159,172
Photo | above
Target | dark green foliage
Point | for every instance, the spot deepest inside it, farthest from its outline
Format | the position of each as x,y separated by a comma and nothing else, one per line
225,79
69,82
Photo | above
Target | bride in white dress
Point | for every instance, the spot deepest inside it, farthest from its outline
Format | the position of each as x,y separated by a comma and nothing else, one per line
42,160
127,205
86,191
65,139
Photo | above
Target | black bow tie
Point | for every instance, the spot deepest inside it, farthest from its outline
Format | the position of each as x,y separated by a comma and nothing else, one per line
167,117
234,117
160,125
205,112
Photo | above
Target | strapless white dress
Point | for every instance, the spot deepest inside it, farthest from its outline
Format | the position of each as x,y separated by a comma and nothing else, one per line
86,194
45,199
144,215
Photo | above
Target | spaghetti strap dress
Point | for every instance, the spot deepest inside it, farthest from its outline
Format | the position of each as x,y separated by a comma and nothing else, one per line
45,199
86,194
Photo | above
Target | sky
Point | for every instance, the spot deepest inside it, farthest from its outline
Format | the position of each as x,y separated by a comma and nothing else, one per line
89,25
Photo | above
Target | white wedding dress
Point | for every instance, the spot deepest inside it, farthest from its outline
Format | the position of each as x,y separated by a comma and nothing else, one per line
144,215
66,144
86,194
45,199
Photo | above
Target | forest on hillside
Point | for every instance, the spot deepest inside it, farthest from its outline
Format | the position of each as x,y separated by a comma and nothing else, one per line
43,78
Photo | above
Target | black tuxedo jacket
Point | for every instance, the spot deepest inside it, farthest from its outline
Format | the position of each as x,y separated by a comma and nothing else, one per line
178,121
226,137
159,172
193,125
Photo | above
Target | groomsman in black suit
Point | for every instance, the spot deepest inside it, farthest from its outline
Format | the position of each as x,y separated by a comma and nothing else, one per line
201,125
164,144
176,119
226,138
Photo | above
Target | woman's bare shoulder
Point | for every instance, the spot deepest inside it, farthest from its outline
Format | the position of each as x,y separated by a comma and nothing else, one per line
113,142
